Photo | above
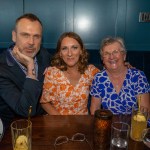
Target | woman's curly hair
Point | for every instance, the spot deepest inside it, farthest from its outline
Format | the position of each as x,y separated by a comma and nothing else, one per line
58,62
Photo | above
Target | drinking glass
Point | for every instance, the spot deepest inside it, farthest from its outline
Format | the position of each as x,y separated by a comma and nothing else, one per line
138,123
1,129
146,137
119,136
21,131
102,129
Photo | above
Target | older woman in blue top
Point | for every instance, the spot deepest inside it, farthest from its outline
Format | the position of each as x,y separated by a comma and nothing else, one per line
117,87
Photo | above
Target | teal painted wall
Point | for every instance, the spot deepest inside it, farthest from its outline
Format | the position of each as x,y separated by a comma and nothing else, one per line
91,19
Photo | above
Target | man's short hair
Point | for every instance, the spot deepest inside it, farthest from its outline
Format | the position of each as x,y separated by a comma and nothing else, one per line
30,17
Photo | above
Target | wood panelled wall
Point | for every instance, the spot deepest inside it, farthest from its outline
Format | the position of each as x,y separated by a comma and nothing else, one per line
91,19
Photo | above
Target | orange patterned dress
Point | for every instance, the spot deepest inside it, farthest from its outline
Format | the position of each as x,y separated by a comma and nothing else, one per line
66,98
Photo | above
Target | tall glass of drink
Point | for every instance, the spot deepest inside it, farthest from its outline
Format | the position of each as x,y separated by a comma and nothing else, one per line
138,123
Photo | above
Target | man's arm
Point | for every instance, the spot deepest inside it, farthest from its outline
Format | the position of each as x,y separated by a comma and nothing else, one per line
19,97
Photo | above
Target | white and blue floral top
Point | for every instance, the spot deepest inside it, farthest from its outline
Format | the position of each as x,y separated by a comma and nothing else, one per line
135,83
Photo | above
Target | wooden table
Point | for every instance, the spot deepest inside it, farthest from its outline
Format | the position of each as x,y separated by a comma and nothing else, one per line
47,128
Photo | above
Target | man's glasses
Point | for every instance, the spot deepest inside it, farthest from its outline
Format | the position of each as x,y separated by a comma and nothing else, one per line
114,53
78,137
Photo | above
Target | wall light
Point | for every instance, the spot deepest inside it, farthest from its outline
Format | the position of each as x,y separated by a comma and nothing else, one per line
83,23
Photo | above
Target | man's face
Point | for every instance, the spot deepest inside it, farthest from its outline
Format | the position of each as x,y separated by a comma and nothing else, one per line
27,36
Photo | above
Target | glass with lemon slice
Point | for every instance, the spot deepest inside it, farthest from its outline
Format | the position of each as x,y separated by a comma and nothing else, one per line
21,131
138,123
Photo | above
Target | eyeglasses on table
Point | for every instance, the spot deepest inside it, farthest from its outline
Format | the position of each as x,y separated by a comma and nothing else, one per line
78,137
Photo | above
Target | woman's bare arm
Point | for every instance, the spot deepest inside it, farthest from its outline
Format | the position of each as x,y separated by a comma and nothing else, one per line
50,109
95,104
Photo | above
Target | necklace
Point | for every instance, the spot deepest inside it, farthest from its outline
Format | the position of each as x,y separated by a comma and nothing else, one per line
117,80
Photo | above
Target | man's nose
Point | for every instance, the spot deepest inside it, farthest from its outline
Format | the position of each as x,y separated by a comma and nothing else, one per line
31,40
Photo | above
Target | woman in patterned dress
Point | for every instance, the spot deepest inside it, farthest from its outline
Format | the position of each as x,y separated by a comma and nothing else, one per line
67,82
117,87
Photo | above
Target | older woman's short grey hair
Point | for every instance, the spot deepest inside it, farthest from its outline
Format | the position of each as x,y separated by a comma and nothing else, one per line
111,40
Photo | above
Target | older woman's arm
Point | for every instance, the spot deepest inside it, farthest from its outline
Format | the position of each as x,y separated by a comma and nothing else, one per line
145,100
95,104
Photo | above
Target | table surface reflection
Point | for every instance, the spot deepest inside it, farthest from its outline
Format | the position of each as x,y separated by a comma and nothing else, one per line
45,129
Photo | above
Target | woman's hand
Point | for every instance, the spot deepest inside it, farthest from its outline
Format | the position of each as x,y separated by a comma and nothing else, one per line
50,109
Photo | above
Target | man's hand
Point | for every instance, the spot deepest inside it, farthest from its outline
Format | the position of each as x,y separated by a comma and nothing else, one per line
23,59
26,61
